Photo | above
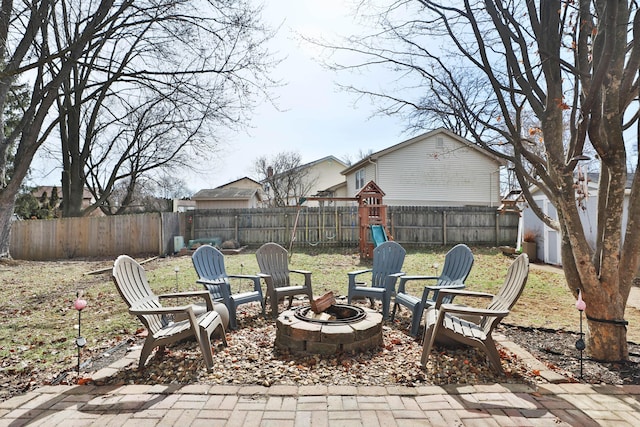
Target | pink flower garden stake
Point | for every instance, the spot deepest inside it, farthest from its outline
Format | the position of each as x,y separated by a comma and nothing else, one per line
580,344
79,305
580,304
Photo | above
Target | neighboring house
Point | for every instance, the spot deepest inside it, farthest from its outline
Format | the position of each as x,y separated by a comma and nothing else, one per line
242,193
438,168
338,191
183,205
244,182
87,197
548,240
319,178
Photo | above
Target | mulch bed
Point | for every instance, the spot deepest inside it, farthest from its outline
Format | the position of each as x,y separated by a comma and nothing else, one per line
557,349
251,358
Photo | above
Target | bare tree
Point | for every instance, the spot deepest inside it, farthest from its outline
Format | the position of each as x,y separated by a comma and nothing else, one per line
26,47
156,94
284,178
490,66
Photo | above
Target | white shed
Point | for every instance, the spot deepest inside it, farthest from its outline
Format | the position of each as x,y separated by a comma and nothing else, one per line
548,240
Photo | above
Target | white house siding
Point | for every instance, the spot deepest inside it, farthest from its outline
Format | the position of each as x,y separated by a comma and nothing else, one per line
453,175
323,175
370,175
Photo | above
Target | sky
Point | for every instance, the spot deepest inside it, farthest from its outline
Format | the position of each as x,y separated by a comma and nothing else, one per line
316,118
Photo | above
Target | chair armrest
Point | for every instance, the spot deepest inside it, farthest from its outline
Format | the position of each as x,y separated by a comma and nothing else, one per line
436,289
390,282
446,287
352,277
204,294
243,276
462,309
255,278
160,310
355,273
460,292
405,278
183,294
307,276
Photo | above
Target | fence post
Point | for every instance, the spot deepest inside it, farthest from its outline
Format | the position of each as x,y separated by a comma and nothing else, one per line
236,228
444,228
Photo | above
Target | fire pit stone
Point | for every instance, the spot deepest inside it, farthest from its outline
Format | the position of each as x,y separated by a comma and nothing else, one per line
299,335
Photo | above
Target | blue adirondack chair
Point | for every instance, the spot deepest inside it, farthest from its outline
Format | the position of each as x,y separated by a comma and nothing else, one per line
457,265
387,265
209,264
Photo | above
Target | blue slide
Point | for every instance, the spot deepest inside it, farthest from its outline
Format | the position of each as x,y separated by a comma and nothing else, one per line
378,235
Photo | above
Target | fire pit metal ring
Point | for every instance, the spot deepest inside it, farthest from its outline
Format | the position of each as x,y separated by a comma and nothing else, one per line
340,314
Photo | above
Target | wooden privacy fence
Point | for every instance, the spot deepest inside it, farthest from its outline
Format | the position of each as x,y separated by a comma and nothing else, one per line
154,233
338,226
86,237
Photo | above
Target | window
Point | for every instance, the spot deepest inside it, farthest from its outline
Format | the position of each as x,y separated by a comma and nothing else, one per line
360,176
439,143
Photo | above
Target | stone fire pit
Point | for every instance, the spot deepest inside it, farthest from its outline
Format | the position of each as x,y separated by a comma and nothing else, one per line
340,328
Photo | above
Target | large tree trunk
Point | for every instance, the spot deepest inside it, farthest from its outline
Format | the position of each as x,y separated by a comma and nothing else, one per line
607,341
6,211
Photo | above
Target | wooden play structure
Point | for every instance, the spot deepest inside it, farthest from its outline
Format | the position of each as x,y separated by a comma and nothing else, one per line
371,212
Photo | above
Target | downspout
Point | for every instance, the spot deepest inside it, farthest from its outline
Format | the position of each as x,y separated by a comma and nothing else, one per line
375,175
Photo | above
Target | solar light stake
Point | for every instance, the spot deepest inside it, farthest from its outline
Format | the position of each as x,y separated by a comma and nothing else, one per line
177,270
580,345
79,305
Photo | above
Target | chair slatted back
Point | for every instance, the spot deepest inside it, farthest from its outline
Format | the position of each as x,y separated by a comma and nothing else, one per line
457,266
273,260
131,281
510,291
209,264
387,259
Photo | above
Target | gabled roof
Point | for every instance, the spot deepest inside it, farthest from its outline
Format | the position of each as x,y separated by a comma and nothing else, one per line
370,188
229,193
230,184
316,162
375,156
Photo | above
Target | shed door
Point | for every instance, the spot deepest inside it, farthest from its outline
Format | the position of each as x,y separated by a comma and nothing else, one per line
552,254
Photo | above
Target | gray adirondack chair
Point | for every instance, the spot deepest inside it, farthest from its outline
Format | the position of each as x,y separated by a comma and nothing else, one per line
273,261
388,258
131,281
473,326
457,265
209,265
